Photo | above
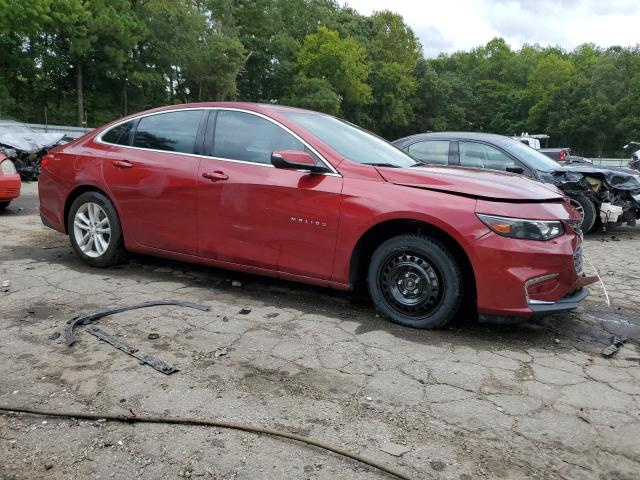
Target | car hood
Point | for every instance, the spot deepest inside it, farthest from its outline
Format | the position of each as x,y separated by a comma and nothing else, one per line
620,178
473,182
30,142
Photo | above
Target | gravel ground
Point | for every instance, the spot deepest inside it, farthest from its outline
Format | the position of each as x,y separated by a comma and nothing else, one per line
535,400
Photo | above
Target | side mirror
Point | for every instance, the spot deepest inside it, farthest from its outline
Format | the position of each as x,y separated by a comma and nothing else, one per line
518,170
295,160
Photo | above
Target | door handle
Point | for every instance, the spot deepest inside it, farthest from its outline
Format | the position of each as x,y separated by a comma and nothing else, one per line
122,164
215,176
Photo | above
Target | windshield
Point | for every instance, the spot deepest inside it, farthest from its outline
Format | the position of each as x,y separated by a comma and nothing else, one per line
532,158
352,142
14,128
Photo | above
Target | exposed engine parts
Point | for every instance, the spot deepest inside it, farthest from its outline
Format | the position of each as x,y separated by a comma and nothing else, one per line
615,193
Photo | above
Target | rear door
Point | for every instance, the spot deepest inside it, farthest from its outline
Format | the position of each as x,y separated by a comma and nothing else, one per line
153,179
254,214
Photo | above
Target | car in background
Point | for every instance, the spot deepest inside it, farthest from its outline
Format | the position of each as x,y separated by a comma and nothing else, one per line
304,196
559,154
9,182
635,155
603,196
26,147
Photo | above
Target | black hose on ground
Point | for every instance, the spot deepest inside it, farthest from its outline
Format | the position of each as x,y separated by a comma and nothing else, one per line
208,423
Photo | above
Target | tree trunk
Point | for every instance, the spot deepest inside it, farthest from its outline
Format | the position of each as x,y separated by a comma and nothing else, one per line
79,93
125,99
234,78
171,91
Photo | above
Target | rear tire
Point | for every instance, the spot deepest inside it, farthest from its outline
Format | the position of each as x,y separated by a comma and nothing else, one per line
4,205
94,230
587,209
415,281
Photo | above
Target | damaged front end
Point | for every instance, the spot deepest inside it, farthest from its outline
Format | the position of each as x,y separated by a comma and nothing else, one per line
25,147
615,193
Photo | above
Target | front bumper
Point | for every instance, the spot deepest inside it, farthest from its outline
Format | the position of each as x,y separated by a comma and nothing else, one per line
565,304
505,270
570,302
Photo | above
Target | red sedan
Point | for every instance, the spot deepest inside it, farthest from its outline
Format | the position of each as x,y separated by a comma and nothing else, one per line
9,182
304,196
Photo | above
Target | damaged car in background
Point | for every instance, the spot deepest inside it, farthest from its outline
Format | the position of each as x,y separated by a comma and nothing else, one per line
635,156
26,147
603,196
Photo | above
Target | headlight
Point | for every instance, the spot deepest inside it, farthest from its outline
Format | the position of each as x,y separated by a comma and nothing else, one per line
7,167
521,228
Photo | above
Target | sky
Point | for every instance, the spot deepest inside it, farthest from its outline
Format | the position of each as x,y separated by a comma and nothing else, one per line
452,25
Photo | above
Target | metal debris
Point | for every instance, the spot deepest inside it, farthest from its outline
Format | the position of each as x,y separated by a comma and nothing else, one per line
92,317
220,352
6,285
245,311
612,349
153,336
144,358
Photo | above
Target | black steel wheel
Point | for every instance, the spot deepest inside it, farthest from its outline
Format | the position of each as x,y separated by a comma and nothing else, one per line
415,281
410,283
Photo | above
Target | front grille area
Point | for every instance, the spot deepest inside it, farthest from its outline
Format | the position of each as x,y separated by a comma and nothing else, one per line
577,260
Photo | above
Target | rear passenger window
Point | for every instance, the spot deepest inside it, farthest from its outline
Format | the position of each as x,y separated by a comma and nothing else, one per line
434,151
119,135
247,137
172,131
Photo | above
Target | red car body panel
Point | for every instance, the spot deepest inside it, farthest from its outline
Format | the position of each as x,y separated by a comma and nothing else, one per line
300,226
10,185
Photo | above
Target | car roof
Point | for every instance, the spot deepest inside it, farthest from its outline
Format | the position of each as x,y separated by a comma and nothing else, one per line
10,122
255,107
487,137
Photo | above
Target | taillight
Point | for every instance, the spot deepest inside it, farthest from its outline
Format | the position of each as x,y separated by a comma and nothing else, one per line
45,161
562,155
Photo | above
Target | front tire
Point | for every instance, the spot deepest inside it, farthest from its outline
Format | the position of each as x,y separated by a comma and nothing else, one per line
4,205
94,230
587,210
415,281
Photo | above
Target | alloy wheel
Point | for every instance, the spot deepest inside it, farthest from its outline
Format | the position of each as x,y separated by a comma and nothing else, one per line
578,206
92,230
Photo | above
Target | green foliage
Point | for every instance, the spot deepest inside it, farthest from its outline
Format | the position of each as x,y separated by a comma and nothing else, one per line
60,59
341,62
314,94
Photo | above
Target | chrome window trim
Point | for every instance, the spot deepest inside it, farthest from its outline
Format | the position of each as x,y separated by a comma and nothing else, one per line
98,139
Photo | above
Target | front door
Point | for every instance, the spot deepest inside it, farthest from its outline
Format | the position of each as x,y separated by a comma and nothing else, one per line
251,213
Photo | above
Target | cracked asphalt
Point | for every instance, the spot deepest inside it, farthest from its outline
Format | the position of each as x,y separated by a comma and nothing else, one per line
535,400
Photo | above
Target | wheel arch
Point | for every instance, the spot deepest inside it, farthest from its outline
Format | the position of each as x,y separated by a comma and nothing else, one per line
379,233
75,193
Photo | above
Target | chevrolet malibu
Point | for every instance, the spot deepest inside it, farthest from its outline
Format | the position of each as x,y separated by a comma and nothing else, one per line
304,196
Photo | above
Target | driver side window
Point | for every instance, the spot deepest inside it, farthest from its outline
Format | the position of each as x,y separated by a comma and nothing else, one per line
250,138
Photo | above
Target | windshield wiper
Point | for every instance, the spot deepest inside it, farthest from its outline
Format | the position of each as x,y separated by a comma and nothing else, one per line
390,165
419,163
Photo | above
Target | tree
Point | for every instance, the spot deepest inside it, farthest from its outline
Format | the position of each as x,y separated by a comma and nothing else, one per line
342,63
394,52
314,94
